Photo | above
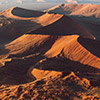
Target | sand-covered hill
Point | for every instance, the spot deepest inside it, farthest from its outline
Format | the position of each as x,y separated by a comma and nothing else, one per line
38,62
56,58
77,9
88,15
13,25
64,26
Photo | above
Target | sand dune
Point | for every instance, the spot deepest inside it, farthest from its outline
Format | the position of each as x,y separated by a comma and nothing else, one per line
61,36
85,14
46,58
56,58
16,12
91,26
73,47
14,26
26,13
36,50
64,26
77,9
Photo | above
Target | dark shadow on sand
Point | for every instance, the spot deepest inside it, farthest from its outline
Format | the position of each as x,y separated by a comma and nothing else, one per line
26,13
15,71
63,26
91,45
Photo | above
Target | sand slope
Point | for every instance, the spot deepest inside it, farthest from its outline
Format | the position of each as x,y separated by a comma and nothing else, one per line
47,60
91,25
86,14
59,87
13,25
77,49
77,9
20,12
55,59
63,37
64,26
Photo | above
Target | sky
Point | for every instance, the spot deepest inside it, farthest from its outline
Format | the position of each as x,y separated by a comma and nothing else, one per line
40,4
49,1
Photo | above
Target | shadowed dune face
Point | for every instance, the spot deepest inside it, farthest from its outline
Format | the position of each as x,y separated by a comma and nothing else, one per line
20,12
64,26
91,45
92,26
14,26
17,28
60,64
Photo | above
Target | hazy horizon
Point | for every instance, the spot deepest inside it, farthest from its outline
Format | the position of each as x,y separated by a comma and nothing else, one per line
32,6
41,4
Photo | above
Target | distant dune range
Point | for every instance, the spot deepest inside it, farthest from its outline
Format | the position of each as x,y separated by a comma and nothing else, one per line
75,9
51,51
88,15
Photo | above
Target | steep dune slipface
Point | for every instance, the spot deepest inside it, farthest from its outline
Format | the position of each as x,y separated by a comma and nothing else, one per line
64,26
73,47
